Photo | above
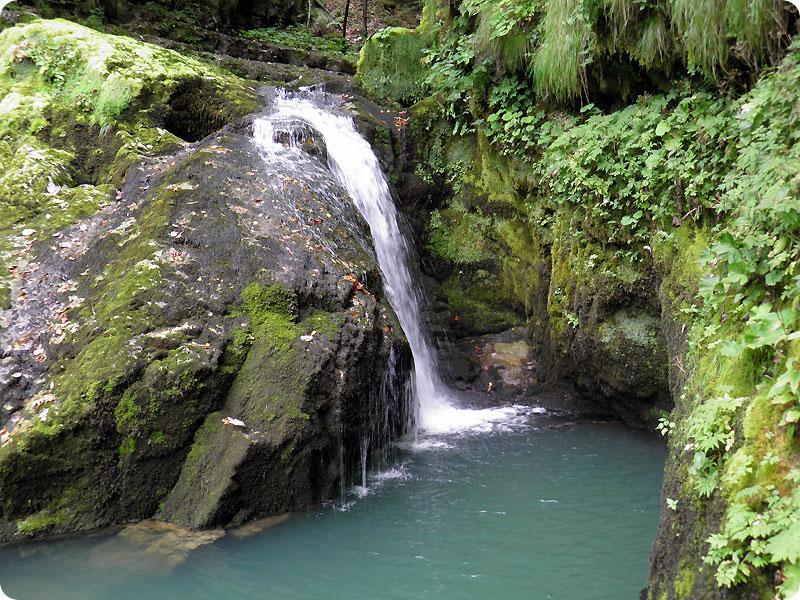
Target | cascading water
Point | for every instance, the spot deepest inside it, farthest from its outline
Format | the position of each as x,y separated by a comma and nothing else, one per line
355,165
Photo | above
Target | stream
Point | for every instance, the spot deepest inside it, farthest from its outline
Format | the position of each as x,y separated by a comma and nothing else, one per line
541,509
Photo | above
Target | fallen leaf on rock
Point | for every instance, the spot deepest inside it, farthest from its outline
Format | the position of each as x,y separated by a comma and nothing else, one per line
354,280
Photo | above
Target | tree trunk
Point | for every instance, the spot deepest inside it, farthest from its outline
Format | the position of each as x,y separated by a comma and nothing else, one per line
344,22
365,16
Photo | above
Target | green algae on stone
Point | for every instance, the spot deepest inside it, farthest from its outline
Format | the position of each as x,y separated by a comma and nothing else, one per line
478,304
161,335
459,236
268,396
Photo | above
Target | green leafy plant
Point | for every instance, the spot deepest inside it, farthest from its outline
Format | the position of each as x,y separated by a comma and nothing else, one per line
299,37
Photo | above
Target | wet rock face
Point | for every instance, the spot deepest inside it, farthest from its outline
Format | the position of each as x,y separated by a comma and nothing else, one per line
618,357
499,366
199,350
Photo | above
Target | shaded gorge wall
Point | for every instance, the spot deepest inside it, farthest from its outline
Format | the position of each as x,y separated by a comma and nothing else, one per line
638,216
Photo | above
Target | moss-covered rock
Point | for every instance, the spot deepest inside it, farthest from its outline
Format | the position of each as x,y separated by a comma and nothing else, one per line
195,288
652,241
78,108
656,284
390,67
503,260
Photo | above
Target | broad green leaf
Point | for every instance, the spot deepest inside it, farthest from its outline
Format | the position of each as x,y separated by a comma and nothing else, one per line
773,277
785,546
730,349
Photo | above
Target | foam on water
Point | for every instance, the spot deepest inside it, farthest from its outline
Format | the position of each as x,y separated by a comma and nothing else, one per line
396,472
354,164
2,594
376,480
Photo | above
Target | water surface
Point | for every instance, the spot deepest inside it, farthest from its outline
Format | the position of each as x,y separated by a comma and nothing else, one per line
549,510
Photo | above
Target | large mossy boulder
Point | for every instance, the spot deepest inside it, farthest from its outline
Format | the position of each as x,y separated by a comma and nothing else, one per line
605,327
196,346
390,65
77,108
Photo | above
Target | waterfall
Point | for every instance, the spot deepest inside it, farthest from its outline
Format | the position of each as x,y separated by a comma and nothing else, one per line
354,164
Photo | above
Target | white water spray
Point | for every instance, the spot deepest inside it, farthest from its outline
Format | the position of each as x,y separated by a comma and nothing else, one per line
355,165
3,596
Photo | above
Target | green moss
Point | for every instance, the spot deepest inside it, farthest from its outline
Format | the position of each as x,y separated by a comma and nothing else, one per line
581,265
127,447
118,308
127,412
493,176
390,66
95,369
273,311
678,258
478,304
716,373
272,382
332,45
38,523
684,580
207,473
211,427
324,322
625,329
236,350
63,510
459,236
261,302
80,106
271,385
172,396
157,438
